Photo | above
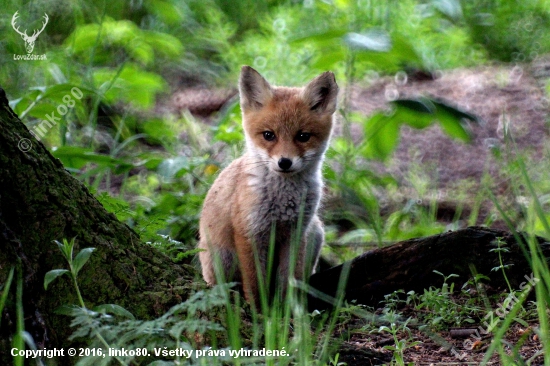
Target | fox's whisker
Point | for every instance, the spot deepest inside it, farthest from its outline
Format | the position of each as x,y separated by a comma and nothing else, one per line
257,162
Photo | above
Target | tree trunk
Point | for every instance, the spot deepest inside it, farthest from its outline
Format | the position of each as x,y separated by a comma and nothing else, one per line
409,265
41,202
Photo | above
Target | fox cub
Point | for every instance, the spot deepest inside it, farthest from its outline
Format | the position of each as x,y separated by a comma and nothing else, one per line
263,196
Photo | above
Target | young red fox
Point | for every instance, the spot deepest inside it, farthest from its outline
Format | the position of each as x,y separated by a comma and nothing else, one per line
275,186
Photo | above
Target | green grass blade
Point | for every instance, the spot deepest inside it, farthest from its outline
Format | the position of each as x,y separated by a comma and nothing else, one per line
5,292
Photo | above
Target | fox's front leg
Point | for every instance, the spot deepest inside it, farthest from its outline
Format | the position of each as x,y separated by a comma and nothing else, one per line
247,265
314,240
301,256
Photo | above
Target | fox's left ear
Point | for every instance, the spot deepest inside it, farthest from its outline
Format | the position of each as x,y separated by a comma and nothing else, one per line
321,93
254,90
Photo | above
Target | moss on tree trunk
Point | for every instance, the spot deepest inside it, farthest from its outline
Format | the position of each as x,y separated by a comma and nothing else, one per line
40,202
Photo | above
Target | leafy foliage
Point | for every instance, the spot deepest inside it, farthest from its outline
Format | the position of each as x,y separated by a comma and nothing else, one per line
178,328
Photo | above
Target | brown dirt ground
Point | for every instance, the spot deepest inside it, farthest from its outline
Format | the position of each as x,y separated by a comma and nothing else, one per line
435,350
502,96
498,95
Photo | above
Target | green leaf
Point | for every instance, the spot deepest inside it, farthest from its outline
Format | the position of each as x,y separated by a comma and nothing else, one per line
58,91
166,11
327,59
152,163
422,105
114,309
24,102
70,310
81,259
418,113
421,112
229,129
403,50
6,291
52,275
77,157
373,40
66,248
452,126
159,131
320,36
381,136
357,235
182,255
401,53
133,85
455,111
40,111
414,119
59,245
169,168
449,8
163,43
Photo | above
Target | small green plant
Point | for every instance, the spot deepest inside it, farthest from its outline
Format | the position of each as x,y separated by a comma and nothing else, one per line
176,250
400,345
439,307
394,301
333,361
75,265
501,248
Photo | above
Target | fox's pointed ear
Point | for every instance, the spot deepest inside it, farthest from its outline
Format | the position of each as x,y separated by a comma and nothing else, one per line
321,93
254,90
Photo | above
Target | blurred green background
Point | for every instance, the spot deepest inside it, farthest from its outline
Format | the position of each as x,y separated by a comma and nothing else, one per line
152,166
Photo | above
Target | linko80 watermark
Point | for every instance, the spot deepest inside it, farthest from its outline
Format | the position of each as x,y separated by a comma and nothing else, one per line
42,128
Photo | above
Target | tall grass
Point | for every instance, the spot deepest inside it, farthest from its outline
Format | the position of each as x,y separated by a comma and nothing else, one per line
530,244
282,321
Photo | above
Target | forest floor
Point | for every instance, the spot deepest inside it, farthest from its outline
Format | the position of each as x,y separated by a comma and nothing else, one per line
508,99
441,348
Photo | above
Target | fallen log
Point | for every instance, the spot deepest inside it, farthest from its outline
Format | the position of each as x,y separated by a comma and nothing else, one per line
410,265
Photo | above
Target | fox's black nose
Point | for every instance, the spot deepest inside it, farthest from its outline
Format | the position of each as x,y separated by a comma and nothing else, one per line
285,163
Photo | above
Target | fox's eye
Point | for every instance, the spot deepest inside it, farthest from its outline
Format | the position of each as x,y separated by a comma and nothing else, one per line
303,137
269,136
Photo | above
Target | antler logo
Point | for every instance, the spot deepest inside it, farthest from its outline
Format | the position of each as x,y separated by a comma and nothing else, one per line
29,41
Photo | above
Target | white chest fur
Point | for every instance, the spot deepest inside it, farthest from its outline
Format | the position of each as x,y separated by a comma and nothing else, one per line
283,199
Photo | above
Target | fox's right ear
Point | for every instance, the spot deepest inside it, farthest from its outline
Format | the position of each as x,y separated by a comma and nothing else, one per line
321,94
254,90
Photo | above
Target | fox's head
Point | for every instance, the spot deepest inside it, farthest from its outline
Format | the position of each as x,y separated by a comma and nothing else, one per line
287,128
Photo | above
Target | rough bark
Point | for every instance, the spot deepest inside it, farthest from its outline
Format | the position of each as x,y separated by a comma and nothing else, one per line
41,202
409,265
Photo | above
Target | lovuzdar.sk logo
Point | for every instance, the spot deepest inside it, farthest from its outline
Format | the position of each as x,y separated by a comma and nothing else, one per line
29,40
